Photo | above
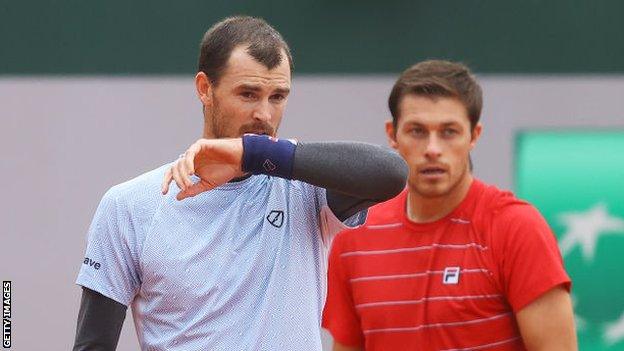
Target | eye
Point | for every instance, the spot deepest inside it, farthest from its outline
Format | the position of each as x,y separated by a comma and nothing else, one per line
449,132
248,95
418,131
278,97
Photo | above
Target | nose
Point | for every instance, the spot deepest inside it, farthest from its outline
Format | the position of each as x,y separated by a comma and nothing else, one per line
434,148
263,111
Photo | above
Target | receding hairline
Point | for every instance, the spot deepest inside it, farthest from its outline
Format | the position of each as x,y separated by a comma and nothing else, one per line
263,42
245,50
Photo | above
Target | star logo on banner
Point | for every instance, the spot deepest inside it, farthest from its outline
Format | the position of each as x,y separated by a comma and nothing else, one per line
585,228
614,332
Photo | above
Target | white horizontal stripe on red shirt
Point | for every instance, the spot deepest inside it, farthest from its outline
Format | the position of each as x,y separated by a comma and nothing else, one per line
417,248
436,325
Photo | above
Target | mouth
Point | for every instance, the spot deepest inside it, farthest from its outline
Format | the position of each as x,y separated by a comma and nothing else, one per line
257,128
432,171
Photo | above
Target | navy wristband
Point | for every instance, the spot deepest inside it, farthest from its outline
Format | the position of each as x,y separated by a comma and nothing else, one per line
263,154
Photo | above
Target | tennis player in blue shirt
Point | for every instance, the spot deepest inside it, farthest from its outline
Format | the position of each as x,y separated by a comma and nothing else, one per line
233,256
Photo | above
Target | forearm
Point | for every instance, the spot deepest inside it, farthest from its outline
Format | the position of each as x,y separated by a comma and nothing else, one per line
355,175
100,320
355,169
358,170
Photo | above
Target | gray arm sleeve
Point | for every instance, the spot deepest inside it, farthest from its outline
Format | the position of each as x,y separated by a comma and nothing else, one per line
355,175
99,322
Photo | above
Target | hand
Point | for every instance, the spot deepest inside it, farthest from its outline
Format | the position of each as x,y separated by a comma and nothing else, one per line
214,161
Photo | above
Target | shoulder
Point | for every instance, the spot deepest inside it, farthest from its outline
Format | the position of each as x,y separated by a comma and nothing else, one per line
142,190
140,185
493,205
505,207
509,220
388,212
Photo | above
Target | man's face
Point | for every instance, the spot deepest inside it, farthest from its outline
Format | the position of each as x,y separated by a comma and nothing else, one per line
433,136
249,98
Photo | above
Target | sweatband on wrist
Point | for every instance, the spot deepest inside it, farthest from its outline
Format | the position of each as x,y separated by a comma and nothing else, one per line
263,154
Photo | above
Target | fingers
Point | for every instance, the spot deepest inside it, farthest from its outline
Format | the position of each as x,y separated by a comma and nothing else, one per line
174,174
186,167
181,172
194,189
177,177
189,157
166,181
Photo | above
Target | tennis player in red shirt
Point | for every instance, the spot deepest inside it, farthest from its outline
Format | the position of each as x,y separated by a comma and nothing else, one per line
451,263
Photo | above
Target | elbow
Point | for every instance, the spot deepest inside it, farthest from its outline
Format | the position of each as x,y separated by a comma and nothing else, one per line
396,173
399,175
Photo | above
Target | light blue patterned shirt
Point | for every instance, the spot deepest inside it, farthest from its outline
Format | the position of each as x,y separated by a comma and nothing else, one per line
240,267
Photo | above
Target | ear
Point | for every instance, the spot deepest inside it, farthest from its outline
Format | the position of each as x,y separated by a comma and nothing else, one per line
391,134
203,88
476,133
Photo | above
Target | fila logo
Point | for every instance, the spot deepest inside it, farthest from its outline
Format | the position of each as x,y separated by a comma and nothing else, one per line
276,218
451,275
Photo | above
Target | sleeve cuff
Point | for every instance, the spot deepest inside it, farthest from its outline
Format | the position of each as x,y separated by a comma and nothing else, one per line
535,294
104,291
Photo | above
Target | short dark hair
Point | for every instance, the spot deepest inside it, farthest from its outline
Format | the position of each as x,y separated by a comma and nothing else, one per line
265,45
438,78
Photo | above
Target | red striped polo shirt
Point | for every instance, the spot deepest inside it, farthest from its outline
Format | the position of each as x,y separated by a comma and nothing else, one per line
452,284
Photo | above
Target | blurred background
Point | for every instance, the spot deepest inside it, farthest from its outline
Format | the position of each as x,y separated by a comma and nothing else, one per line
94,93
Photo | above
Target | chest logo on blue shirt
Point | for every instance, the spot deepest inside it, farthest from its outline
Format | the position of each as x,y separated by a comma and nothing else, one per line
451,275
276,218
